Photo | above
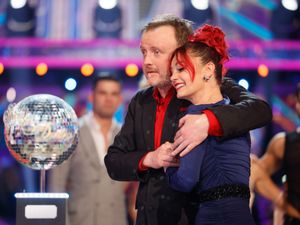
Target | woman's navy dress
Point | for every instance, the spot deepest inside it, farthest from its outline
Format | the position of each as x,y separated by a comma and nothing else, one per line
218,171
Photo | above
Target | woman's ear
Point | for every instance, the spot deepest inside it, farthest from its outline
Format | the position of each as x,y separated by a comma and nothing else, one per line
210,68
209,71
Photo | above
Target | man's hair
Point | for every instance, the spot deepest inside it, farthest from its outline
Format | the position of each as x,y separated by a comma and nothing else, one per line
108,77
183,28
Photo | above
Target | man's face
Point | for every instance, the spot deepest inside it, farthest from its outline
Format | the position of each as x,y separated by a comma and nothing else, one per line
106,98
157,46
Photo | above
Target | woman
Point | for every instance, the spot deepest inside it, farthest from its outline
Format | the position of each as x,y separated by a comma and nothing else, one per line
217,170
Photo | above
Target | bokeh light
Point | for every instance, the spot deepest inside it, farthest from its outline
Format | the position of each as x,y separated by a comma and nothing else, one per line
244,83
291,5
263,70
11,94
70,84
131,70
1,68
41,69
87,69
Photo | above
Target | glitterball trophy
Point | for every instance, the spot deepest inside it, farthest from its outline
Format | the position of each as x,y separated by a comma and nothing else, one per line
41,132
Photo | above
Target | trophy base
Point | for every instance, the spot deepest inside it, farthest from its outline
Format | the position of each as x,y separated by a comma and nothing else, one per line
41,208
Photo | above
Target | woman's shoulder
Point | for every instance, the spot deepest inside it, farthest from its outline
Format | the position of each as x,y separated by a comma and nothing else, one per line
234,142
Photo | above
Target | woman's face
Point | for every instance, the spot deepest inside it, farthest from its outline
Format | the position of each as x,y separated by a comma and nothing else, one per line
186,87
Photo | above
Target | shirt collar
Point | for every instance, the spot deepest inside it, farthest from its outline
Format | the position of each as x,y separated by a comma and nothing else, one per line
94,125
160,100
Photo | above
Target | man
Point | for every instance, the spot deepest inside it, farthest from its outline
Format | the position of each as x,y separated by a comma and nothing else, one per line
282,151
95,199
141,148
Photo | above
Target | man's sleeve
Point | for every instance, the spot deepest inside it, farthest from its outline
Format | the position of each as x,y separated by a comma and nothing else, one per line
246,111
122,159
214,128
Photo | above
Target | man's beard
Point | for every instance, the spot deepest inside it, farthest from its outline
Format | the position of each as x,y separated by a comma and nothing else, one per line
164,84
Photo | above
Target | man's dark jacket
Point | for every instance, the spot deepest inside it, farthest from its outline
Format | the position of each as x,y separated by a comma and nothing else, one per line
157,203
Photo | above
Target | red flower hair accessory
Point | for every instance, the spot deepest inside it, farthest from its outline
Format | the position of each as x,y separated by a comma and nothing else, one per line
213,37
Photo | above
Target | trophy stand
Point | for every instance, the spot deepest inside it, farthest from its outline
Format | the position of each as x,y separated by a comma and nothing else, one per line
42,181
41,132
41,208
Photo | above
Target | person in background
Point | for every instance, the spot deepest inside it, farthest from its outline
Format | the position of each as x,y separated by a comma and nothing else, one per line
283,151
95,199
139,150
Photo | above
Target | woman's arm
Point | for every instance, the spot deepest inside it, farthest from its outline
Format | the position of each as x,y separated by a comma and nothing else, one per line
185,177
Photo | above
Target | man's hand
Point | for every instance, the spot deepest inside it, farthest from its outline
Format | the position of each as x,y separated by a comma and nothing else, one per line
193,131
161,157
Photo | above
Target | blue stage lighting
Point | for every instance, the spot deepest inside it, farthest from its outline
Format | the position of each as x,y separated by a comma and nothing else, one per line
70,84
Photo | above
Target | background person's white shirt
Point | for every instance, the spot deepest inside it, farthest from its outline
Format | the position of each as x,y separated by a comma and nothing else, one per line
97,135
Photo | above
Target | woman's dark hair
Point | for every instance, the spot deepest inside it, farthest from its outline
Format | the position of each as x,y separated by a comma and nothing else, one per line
208,43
